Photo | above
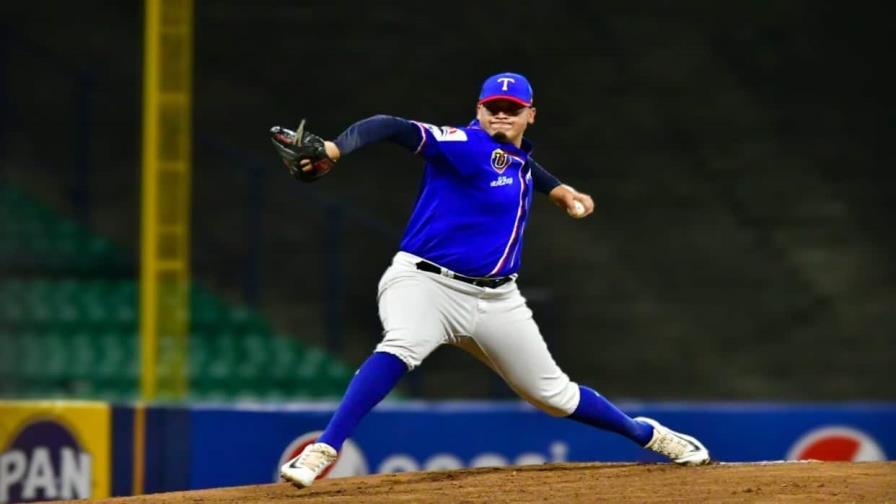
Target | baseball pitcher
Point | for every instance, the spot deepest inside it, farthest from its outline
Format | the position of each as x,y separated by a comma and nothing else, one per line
453,280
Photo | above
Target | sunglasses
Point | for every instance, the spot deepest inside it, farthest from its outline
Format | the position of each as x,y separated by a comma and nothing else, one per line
508,107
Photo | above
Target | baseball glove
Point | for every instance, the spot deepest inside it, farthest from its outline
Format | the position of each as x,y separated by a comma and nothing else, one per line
294,147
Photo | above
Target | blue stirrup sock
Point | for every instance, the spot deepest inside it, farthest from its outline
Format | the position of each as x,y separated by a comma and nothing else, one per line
597,411
374,380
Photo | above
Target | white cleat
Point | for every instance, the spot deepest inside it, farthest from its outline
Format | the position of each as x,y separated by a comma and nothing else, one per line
682,449
308,465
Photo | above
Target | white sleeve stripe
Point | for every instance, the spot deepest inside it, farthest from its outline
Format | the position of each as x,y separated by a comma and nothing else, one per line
423,137
516,226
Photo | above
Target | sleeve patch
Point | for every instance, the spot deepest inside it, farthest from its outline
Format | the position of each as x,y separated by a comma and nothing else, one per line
446,133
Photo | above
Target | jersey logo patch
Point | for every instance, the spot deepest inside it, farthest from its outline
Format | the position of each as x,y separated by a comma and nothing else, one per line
500,160
501,181
446,133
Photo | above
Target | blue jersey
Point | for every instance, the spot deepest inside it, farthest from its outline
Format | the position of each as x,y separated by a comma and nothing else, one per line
473,203
475,196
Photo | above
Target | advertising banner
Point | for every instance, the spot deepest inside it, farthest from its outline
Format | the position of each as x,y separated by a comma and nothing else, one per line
53,450
66,449
236,446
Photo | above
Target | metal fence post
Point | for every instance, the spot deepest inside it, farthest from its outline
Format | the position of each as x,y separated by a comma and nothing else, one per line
4,92
79,192
254,222
335,278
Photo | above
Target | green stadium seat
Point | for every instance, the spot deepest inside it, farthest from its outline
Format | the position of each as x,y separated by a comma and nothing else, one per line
83,353
12,312
31,357
72,333
58,359
10,353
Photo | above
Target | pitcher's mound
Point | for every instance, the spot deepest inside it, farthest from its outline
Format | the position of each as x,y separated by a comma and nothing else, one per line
563,483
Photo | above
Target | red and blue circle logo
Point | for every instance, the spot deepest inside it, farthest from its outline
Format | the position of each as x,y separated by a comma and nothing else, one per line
836,443
351,460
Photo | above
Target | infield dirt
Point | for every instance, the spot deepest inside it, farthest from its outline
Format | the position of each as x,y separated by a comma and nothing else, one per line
563,483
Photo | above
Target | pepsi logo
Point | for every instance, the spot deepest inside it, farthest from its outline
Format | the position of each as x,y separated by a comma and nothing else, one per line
836,443
44,461
350,462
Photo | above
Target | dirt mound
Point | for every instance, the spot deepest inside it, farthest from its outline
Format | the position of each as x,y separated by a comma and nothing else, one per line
762,482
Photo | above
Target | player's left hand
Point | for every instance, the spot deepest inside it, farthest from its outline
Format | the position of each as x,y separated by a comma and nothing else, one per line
305,154
578,205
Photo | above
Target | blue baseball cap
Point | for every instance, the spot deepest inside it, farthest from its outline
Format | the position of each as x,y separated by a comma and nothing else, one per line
506,86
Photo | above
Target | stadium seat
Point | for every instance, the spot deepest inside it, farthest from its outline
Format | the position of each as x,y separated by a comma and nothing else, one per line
68,324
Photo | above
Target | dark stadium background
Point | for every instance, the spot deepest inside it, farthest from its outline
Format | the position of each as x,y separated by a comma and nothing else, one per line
740,156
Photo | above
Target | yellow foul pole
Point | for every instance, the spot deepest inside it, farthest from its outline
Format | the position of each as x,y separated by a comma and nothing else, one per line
165,212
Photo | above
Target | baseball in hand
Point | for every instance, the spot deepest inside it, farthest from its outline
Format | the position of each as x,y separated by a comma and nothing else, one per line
577,209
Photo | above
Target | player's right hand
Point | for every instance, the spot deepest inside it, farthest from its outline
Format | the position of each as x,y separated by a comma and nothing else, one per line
572,201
